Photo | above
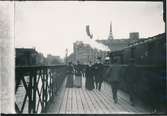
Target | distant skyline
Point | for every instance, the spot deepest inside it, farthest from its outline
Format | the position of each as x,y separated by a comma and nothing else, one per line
53,26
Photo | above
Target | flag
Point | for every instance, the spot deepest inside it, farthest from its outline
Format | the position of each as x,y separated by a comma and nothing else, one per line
88,32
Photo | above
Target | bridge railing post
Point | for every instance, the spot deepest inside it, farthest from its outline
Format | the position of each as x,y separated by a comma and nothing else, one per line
46,89
52,85
43,89
34,90
30,93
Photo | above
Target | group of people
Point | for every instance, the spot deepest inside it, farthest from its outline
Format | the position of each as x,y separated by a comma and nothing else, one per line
96,73
74,76
112,74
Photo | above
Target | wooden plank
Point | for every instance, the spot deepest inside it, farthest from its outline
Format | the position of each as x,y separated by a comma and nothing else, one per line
95,109
79,103
99,102
98,109
71,103
80,100
109,102
74,103
108,98
70,100
103,101
64,102
132,108
123,105
58,101
122,97
68,103
89,102
108,91
140,109
84,102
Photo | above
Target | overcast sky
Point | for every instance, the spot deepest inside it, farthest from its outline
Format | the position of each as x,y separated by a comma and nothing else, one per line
51,27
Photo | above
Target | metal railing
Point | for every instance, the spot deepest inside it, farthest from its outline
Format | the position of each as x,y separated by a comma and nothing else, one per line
39,84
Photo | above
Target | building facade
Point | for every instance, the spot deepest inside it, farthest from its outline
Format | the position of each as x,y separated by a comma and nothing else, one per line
25,56
28,57
53,60
118,44
85,54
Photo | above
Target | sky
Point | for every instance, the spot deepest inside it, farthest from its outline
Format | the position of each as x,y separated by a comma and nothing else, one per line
53,26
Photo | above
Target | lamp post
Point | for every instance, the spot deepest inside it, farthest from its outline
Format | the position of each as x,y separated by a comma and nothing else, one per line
66,55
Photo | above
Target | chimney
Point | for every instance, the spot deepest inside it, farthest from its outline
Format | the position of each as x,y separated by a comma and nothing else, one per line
134,35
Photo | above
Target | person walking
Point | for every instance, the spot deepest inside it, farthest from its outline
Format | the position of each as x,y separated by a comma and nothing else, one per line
89,83
70,72
130,79
78,76
114,74
98,73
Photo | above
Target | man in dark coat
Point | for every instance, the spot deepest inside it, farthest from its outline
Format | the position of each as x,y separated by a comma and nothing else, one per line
98,73
131,79
114,74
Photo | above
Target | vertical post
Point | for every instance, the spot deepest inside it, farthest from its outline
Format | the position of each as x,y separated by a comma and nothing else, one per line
50,85
66,55
34,90
46,94
43,89
30,92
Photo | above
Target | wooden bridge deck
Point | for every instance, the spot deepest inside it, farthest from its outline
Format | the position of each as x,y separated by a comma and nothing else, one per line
83,101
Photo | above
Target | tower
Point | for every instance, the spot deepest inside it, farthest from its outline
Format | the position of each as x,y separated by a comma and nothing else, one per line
110,34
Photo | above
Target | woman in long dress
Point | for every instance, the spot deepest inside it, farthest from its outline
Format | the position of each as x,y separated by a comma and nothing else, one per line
78,77
89,78
70,72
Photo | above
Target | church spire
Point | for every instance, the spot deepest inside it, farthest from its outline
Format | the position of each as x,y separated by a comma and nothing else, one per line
110,34
111,27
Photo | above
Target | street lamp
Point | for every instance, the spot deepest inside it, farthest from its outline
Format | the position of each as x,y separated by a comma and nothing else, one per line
66,55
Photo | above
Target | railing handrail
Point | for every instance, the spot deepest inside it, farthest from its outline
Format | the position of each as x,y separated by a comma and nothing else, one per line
40,66
52,66
138,65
